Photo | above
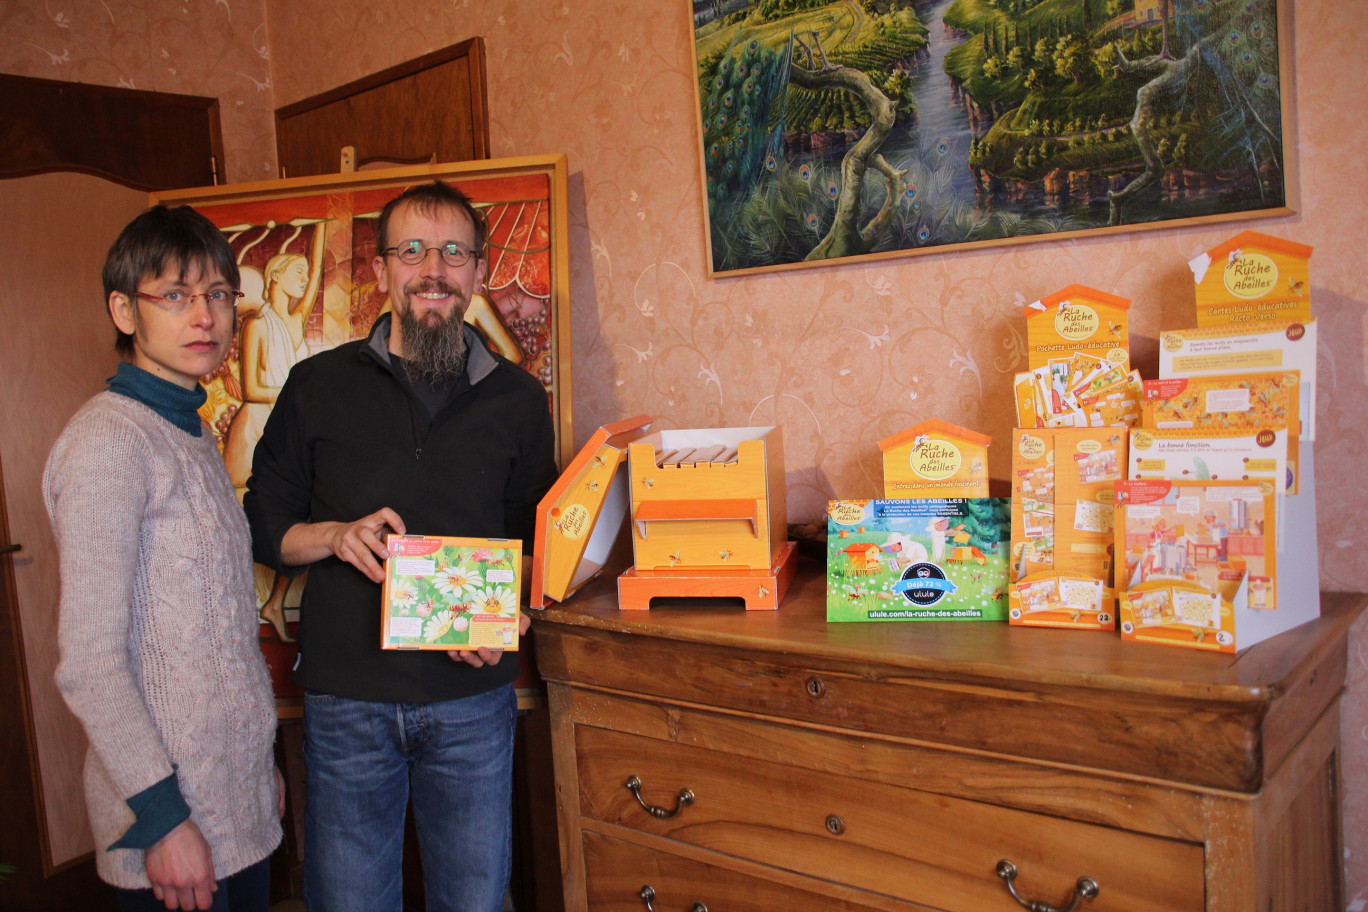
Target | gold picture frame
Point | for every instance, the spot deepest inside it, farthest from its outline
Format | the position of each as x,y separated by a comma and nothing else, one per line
305,248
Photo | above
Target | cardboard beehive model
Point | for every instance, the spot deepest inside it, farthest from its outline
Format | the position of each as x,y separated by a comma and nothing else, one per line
1253,277
708,516
580,517
935,459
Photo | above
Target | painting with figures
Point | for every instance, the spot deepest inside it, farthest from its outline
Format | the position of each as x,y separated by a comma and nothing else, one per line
305,249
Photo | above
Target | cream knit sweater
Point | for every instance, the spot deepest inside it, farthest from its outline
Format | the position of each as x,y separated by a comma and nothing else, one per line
158,632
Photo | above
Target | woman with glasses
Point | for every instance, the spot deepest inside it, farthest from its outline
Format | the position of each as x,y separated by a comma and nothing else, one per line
158,625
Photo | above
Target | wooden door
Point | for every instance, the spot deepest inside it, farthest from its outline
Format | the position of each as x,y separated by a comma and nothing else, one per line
55,352
431,109
75,887
148,140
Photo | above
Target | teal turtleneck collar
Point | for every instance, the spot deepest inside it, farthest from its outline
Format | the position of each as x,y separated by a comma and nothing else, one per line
176,404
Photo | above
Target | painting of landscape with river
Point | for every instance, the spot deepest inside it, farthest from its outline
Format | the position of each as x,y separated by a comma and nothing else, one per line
887,127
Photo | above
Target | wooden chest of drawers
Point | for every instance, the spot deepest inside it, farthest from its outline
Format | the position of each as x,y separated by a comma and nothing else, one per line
712,758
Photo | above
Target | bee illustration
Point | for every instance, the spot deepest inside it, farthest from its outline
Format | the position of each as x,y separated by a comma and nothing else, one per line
920,441
675,559
976,465
1235,255
1064,305
763,592
648,482
1297,286
725,555
1115,329
598,461
593,485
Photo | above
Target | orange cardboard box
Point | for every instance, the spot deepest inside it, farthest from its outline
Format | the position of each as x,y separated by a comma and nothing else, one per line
1078,319
935,459
1253,278
580,517
1063,526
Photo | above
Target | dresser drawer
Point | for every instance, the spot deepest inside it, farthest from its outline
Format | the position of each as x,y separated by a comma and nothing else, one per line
1207,743
619,871
938,850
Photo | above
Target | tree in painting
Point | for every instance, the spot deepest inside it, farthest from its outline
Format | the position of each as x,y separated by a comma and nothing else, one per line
834,129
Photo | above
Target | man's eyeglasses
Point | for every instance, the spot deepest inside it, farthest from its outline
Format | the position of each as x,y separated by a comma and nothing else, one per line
411,253
178,302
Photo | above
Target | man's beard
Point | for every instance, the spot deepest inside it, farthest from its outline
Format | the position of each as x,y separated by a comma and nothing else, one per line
435,348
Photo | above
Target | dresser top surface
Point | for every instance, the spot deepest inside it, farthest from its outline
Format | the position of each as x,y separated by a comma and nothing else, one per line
972,650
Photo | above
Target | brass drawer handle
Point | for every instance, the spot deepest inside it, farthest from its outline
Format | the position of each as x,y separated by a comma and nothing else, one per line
647,894
1086,888
686,797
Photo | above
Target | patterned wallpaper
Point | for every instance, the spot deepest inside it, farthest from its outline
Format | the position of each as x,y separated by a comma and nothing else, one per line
187,47
845,355
840,355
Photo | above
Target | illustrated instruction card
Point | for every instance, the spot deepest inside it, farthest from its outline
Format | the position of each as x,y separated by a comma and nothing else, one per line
1246,347
1266,406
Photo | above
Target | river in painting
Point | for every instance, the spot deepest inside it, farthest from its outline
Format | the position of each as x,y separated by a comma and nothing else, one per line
944,200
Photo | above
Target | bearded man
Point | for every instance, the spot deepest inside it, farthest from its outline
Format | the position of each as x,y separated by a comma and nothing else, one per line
418,427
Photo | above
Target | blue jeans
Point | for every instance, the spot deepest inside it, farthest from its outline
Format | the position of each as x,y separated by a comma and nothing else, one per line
364,762
249,890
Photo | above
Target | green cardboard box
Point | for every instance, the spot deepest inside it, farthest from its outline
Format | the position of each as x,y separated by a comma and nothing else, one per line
931,559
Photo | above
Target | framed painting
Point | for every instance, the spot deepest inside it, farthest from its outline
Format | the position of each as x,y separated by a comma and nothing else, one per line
878,128
305,248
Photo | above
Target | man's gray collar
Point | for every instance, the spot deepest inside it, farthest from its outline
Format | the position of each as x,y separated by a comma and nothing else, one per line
479,361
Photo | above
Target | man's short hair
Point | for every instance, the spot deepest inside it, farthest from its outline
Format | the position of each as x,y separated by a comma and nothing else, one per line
427,199
162,239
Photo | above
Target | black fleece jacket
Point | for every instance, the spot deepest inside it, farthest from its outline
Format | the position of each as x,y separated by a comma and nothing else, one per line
347,437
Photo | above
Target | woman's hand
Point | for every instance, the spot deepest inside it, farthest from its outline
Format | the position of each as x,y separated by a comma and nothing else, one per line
181,868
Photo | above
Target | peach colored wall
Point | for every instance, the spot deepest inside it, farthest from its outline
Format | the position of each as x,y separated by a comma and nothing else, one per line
845,355
841,355
217,49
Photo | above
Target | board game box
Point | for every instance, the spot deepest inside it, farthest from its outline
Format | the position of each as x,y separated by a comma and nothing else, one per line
451,593
928,559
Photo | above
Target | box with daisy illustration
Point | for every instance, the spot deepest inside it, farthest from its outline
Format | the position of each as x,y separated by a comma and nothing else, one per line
451,593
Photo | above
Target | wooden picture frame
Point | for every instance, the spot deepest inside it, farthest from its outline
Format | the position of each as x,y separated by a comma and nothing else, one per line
837,131
323,228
